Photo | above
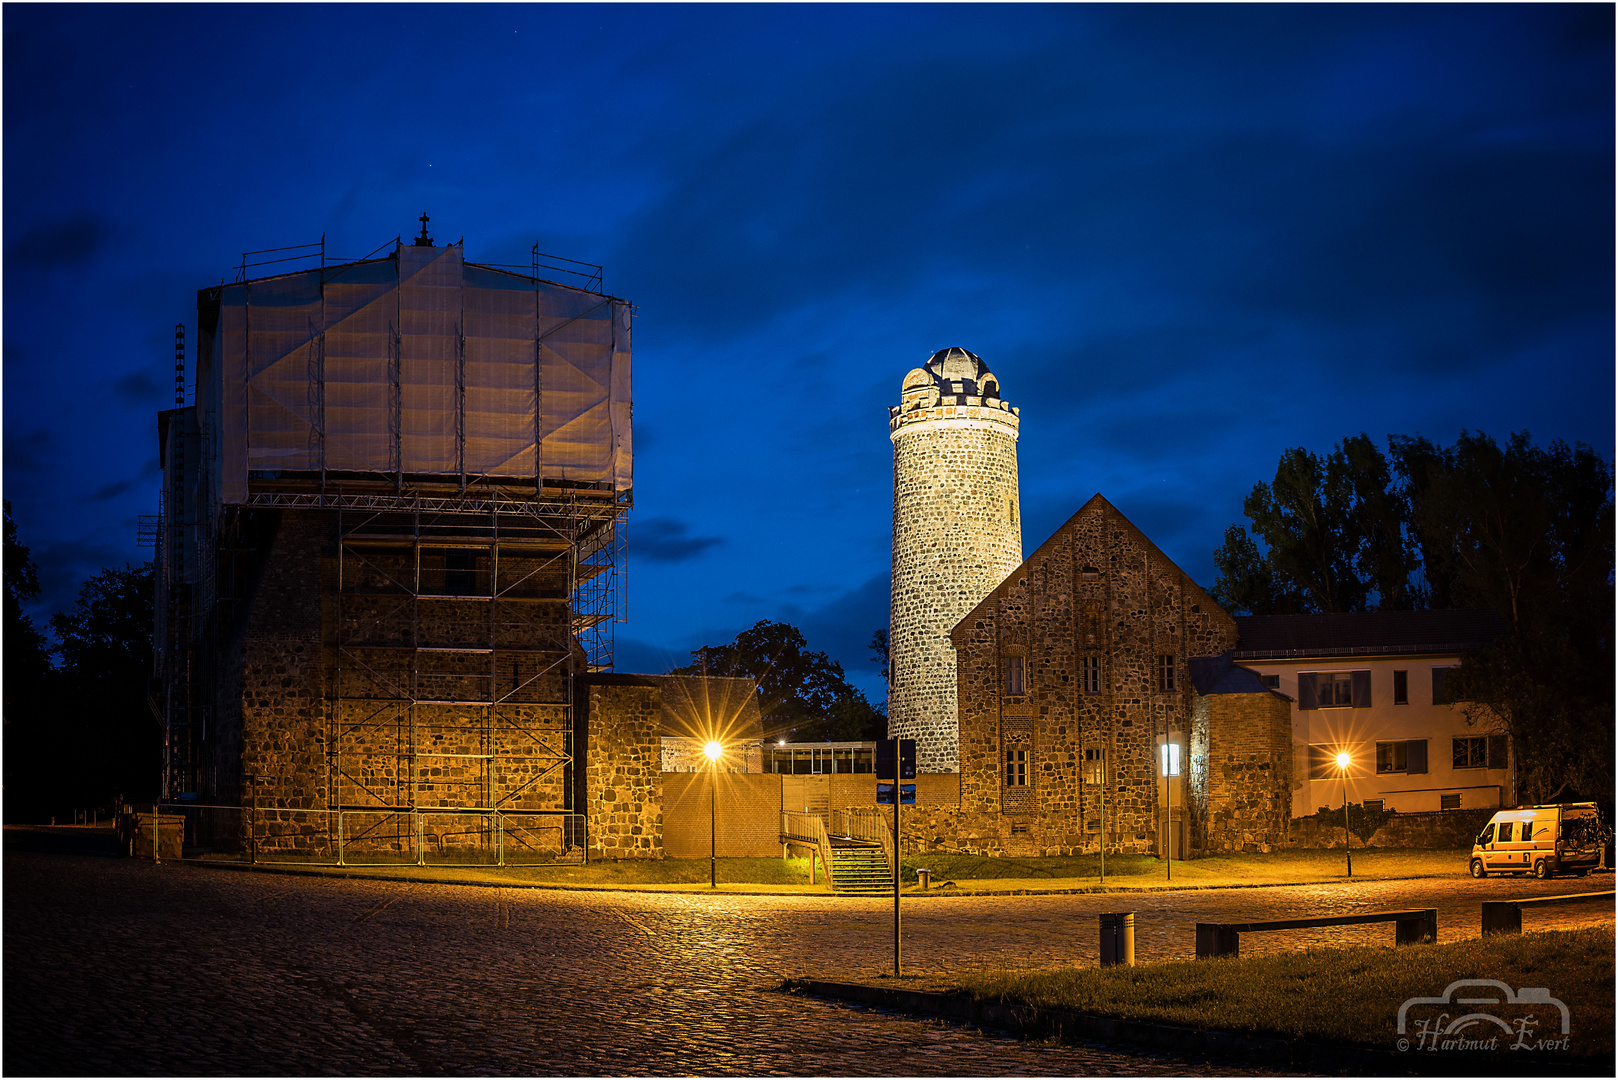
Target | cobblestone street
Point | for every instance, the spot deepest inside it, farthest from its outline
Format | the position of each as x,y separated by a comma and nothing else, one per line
115,966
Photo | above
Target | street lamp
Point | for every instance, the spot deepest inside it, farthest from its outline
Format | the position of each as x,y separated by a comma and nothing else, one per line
1343,761
714,751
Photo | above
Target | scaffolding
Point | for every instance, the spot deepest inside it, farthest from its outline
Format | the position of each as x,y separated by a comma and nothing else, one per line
468,452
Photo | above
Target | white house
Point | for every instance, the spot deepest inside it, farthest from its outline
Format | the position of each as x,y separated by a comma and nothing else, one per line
1371,685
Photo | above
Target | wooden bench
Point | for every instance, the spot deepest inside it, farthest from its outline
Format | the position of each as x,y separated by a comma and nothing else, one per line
1505,916
1409,928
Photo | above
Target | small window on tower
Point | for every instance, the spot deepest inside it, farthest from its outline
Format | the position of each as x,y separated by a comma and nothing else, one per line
1014,676
1092,674
1165,678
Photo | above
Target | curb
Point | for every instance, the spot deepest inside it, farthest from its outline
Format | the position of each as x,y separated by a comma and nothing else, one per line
1295,1055
935,891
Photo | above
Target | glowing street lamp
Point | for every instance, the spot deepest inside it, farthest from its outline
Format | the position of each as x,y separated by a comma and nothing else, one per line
715,751
1343,762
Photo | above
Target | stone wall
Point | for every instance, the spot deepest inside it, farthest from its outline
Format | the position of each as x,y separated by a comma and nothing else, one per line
747,813
1096,590
1433,829
284,731
623,773
1241,772
956,534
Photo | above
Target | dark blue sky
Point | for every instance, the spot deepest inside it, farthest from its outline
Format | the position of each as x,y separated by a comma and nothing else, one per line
1185,238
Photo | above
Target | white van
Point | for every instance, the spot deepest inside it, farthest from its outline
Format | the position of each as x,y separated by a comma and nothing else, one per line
1539,840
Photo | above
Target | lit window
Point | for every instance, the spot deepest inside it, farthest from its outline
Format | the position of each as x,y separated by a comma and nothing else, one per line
1170,755
1092,674
1016,768
1095,765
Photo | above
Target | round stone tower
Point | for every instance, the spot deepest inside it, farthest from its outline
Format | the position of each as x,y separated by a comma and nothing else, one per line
957,533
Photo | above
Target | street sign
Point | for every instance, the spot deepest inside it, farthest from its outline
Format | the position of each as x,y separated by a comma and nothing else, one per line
884,794
907,794
897,754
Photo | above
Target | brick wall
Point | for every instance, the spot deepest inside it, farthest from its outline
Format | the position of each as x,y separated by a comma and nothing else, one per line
623,773
1241,772
748,814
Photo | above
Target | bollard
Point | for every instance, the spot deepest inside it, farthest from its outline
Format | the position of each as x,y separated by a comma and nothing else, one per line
1118,939
924,876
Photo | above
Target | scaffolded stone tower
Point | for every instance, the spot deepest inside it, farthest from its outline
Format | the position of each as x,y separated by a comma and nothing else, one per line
957,533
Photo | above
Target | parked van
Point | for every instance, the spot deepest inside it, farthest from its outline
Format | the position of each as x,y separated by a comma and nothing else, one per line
1540,840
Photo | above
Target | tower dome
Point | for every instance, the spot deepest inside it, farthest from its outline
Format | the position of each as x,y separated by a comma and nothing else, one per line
956,535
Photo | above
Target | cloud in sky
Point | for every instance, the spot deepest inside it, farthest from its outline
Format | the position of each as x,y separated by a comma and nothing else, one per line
1186,238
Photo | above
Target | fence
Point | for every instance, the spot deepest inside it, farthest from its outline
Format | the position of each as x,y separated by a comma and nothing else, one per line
380,837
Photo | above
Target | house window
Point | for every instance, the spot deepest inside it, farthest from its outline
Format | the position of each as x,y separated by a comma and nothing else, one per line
1016,768
1095,765
1165,674
1471,752
1322,762
1390,757
1334,689
864,760
1092,674
1271,681
1373,806
1014,676
1169,759
1401,688
1449,802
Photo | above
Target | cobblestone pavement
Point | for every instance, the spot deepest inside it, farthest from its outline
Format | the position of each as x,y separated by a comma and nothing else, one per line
118,967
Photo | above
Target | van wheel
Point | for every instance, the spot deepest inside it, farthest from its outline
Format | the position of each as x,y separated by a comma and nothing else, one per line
1477,868
1542,869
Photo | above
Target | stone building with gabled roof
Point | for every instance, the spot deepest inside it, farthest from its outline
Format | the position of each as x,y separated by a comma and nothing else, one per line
1075,695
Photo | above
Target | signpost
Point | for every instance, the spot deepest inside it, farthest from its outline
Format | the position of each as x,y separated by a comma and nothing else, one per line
896,761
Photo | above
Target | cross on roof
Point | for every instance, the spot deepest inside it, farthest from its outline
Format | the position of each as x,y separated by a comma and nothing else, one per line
424,240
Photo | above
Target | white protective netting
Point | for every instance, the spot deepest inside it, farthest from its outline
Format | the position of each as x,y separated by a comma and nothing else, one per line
418,364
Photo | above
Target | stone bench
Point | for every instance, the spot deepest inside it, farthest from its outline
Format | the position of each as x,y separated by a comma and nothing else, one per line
1505,916
1411,927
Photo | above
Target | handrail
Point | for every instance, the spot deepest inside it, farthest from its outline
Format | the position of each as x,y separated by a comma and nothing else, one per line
809,830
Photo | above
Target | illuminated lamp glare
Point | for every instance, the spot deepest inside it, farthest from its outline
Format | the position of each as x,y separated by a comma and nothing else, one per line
1342,761
713,750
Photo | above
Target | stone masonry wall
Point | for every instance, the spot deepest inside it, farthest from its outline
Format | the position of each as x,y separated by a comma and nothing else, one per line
956,534
1241,769
1097,589
1432,829
623,774
283,686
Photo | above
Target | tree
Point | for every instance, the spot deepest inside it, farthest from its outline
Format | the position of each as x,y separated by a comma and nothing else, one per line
1333,535
879,652
803,695
1527,531
103,739
27,673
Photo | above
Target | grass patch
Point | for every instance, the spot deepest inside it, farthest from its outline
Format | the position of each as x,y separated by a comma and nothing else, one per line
1146,870
1344,994
786,874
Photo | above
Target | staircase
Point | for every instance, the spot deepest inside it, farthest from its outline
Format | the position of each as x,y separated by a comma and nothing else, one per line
859,868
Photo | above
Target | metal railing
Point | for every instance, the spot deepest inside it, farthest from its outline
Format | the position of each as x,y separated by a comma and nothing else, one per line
372,837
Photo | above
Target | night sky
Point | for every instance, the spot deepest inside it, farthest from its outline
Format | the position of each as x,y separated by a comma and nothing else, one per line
1185,239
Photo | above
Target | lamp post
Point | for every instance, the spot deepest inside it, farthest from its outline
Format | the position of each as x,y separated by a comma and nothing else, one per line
713,750
1343,761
